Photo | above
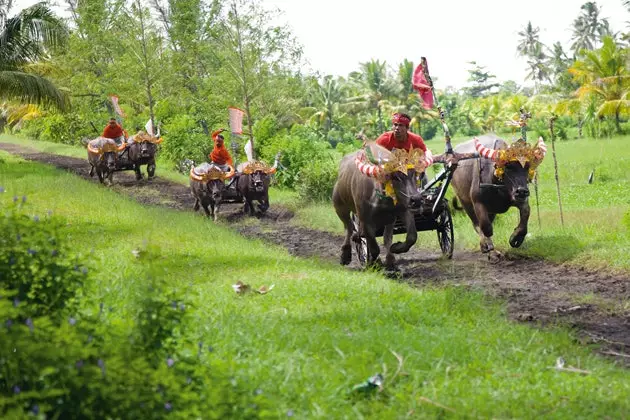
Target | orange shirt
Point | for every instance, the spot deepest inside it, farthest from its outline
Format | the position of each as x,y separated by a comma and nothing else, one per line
388,141
220,155
112,132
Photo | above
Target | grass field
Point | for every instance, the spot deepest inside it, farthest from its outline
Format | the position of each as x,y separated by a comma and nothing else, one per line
324,329
593,234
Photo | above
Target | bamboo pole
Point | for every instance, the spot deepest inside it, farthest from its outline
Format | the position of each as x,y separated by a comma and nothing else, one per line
555,165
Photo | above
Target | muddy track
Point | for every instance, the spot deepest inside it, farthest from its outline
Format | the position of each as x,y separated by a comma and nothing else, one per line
537,292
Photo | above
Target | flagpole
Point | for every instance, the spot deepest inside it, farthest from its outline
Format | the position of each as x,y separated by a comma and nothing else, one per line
447,133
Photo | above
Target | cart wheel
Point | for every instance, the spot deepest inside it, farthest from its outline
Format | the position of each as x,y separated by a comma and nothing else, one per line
360,243
445,232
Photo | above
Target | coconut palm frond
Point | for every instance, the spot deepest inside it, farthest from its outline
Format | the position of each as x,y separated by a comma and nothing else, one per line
610,108
30,88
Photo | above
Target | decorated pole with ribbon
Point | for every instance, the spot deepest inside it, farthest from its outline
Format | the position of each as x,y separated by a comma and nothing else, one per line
447,133
523,124
555,164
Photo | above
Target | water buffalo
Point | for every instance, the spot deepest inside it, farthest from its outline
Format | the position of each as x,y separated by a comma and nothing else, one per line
377,193
494,182
141,150
253,184
102,155
207,182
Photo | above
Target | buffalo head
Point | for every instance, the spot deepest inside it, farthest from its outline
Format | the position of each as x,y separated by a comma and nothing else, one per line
515,166
398,174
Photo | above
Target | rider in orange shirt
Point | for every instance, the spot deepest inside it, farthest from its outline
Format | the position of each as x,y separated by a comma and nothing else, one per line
220,154
114,131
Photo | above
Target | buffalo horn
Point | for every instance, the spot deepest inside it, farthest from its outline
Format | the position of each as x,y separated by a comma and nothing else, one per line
229,174
486,152
366,168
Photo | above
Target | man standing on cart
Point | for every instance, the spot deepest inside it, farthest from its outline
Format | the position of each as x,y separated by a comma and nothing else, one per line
220,154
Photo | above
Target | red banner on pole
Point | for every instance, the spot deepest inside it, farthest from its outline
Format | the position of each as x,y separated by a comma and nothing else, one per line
236,120
117,108
421,84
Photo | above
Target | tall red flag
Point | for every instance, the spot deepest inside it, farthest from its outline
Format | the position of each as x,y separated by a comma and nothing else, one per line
421,84
236,120
117,108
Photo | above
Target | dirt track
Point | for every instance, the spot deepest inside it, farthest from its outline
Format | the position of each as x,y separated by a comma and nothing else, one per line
536,292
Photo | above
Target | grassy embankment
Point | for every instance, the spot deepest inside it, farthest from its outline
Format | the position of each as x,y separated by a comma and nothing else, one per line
322,329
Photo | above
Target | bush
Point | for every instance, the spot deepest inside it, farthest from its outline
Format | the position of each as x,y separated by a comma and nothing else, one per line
184,139
57,361
59,128
37,265
317,180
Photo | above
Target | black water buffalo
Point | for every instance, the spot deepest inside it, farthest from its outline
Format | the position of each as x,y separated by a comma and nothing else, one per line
377,193
207,182
102,156
141,150
494,182
253,184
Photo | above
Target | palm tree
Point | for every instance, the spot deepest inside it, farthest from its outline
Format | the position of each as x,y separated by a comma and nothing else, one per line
529,39
327,97
538,68
603,75
588,28
378,88
24,40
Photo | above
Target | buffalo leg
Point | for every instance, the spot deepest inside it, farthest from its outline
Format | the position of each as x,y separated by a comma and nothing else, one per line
410,239
110,178
485,228
249,205
196,206
136,169
205,208
346,248
99,173
151,169
518,236
215,212
388,237
373,249
91,170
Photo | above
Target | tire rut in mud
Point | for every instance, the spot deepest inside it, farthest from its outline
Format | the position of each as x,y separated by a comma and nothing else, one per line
537,292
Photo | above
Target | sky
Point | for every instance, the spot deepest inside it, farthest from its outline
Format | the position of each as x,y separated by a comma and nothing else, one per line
338,35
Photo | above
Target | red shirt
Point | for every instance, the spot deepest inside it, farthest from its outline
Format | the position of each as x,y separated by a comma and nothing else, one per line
388,141
220,155
112,132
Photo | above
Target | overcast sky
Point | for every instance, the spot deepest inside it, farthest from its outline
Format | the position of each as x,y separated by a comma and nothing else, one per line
337,35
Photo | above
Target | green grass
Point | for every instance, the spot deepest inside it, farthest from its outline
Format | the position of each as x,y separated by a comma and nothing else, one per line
592,236
322,329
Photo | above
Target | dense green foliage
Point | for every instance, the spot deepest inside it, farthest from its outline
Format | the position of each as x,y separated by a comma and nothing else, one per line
206,56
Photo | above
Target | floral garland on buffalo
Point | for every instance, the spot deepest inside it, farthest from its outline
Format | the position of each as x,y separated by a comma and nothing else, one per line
519,151
252,166
398,160
207,172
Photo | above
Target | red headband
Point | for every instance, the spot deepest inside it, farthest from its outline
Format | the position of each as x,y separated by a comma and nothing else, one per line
400,119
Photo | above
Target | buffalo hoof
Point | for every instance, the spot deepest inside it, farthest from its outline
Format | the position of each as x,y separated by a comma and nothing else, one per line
393,272
494,256
517,240
138,177
346,255
375,265
399,248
